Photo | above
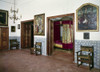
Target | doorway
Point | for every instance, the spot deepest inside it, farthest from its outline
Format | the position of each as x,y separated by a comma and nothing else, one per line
27,34
50,31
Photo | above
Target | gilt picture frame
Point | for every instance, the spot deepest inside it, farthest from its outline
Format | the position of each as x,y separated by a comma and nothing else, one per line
3,18
87,18
39,24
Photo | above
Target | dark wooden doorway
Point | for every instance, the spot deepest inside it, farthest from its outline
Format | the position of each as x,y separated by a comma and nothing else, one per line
50,30
27,34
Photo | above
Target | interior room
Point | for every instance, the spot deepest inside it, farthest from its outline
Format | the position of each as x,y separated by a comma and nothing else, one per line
61,33
49,36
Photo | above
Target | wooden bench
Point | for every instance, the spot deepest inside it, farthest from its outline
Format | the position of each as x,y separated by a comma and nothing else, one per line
14,43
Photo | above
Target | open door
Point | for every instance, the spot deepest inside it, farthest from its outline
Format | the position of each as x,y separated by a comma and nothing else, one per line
50,42
27,34
50,32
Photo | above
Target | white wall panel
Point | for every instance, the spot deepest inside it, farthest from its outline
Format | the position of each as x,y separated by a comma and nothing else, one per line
29,8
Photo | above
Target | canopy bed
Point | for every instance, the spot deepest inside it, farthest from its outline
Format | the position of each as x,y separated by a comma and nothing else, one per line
63,37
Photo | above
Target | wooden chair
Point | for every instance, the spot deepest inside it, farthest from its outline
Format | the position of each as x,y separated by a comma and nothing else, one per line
32,50
37,49
14,43
38,46
85,55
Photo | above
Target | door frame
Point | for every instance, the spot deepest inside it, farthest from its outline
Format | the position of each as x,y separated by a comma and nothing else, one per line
50,31
22,22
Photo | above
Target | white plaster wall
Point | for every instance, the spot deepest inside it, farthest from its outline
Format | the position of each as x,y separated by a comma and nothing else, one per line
6,5
29,8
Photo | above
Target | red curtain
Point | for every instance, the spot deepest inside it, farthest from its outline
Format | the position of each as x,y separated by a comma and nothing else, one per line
68,43
56,31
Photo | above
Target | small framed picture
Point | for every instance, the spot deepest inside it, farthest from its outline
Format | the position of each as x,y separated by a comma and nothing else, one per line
18,26
86,35
12,28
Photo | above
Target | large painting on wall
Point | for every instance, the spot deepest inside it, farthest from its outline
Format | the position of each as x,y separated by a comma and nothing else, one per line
3,18
87,18
39,24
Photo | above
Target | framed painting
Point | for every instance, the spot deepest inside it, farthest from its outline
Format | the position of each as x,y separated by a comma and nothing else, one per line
18,26
12,28
87,18
39,24
86,35
3,18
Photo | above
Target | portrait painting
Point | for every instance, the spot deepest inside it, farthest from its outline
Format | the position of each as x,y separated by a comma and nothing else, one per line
12,28
39,25
87,18
3,18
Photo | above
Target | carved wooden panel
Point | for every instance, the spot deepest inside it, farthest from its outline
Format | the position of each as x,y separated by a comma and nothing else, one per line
26,34
4,38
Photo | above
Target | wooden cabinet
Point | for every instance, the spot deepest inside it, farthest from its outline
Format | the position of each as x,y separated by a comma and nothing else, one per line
4,38
27,34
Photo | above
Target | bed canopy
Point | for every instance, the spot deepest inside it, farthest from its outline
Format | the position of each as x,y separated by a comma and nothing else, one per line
66,41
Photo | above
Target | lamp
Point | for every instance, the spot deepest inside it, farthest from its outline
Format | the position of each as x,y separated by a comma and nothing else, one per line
14,17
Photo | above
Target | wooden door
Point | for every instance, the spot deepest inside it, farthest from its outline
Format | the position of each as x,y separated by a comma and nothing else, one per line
4,38
50,38
26,34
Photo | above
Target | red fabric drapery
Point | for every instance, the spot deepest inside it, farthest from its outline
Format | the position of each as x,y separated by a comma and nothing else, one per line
57,33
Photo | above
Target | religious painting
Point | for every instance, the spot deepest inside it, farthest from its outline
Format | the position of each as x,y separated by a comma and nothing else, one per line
39,24
3,18
12,28
87,18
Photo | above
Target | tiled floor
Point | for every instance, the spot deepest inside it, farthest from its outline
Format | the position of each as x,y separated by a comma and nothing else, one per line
23,61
